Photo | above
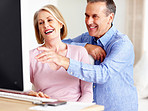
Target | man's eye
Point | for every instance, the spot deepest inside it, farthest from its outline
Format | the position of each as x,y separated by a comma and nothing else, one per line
95,16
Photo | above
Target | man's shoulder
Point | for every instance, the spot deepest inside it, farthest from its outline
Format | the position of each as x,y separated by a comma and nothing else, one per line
122,41
118,36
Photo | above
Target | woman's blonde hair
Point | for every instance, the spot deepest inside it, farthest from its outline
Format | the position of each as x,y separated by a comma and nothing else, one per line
58,16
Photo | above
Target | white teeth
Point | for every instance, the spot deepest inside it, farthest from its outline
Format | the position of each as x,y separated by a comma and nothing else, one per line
49,31
92,27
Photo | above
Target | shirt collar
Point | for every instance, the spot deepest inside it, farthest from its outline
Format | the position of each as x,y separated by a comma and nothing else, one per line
107,36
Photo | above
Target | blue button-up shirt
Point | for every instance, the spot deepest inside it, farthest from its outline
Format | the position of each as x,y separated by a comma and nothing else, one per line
113,78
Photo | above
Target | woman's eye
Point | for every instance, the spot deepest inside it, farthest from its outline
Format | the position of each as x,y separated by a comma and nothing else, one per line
49,20
40,23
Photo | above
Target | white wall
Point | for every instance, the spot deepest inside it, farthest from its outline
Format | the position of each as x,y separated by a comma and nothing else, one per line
146,26
120,17
73,12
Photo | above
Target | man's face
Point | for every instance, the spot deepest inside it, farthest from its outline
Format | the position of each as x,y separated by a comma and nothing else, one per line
96,20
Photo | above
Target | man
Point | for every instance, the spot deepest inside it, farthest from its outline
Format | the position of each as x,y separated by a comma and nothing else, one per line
113,78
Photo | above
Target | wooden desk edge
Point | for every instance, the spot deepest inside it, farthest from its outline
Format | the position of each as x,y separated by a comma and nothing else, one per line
26,105
94,108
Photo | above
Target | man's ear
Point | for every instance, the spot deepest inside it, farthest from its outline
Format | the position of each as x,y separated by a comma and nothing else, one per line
111,18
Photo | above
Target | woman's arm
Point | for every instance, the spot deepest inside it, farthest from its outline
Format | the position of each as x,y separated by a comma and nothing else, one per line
86,92
86,87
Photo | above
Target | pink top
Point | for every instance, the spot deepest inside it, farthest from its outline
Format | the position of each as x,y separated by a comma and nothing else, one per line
59,84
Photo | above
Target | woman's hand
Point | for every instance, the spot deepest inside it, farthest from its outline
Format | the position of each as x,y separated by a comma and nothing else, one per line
38,94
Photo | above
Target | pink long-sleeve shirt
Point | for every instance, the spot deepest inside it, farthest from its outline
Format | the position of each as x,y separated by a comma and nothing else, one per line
59,84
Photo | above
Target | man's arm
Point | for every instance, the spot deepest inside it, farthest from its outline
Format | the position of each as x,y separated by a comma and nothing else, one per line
96,52
120,57
79,40
84,40
75,41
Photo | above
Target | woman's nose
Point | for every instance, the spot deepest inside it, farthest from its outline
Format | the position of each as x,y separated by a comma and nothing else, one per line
46,24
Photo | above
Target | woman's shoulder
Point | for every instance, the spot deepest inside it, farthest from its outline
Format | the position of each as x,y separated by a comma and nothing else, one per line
78,53
76,47
34,51
75,50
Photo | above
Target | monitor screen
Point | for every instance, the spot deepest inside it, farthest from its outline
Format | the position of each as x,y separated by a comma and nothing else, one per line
11,51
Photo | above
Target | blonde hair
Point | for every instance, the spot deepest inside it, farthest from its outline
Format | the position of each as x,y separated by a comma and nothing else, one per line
57,15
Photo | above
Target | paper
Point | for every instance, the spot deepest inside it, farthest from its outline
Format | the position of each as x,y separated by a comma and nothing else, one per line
70,106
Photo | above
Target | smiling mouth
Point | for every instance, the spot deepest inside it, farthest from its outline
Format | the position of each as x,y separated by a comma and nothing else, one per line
48,31
90,27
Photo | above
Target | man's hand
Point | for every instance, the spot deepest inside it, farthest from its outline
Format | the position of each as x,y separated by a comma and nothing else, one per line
96,52
50,56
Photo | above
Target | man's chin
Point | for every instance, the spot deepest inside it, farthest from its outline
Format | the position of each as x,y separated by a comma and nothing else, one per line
92,34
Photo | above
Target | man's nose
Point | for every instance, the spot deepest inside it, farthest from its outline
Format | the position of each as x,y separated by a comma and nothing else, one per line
89,20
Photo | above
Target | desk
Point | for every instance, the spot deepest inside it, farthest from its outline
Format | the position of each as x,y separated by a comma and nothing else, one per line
17,105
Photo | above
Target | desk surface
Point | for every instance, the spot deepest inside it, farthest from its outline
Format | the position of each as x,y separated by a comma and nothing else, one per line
17,105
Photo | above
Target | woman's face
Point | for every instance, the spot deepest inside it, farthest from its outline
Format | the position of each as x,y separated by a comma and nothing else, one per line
49,27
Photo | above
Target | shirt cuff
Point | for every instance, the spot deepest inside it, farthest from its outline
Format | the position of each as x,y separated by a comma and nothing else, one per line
78,69
74,68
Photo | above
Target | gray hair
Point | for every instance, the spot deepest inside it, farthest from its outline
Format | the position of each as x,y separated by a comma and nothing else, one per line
110,4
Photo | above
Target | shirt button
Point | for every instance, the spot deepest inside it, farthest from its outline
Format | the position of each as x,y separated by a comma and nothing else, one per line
83,79
94,86
71,72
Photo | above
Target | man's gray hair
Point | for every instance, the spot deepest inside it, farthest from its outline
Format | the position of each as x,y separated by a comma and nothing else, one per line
110,4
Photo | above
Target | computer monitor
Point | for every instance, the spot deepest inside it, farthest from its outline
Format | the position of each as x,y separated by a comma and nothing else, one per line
14,51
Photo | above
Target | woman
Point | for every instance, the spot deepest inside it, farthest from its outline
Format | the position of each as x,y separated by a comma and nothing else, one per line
49,79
